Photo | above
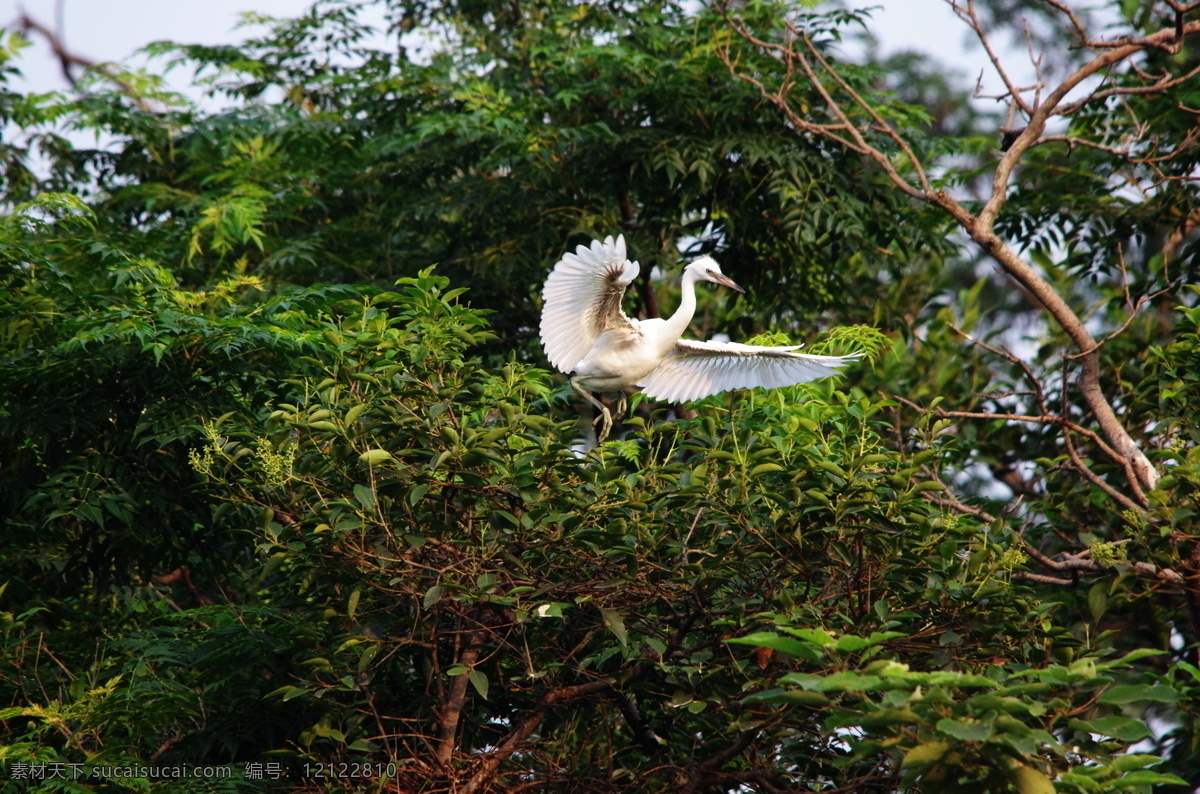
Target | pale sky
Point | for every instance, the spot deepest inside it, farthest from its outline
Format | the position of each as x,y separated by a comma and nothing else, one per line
112,30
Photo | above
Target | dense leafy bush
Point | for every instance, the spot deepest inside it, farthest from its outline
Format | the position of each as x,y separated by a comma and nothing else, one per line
283,487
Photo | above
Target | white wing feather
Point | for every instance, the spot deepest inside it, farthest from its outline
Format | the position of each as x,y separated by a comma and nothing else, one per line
582,299
694,370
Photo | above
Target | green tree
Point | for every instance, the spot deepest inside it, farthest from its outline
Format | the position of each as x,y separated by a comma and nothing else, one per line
278,489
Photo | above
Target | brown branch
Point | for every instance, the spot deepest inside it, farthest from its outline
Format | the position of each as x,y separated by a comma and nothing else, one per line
1039,578
981,227
67,59
1177,237
1046,419
516,738
982,231
1080,31
759,779
1008,355
1125,152
1075,562
969,16
1081,562
646,736
1095,479
183,575
1038,119
450,709
831,131
880,124
1162,85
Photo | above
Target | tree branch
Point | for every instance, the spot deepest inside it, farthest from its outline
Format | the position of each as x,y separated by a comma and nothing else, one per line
68,59
981,227
451,706
513,742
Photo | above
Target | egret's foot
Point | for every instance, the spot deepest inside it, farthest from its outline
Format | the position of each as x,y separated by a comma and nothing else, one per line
605,417
606,424
622,404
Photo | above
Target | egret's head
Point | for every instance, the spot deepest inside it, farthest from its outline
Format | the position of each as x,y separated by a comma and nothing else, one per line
706,269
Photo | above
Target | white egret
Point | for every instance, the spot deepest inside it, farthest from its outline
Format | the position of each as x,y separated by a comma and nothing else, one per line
587,336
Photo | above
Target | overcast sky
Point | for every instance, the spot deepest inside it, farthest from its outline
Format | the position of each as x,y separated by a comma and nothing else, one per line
112,30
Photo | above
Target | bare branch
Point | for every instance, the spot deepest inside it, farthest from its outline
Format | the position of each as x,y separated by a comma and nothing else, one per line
969,16
1161,85
1096,480
1176,239
1041,578
1080,31
1038,119
1008,355
486,770
981,226
450,708
880,124
68,59
845,131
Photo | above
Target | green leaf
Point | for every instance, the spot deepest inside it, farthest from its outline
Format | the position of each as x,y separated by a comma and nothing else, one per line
1097,599
1131,657
480,682
375,456
819,637
1132,693
1126,729
965,731
1031,781
365,497
416,493
1084,782
367,657
797,697
848,643
433,595
925,753
1145,777
778,642
846,681
285,692
1131,761
612,619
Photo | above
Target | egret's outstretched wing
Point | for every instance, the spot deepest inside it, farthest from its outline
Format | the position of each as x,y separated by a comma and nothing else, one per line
698,369
583,300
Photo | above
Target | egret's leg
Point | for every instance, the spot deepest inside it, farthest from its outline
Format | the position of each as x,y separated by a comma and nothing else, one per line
605,416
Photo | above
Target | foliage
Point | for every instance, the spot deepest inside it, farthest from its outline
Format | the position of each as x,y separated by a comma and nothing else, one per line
277,489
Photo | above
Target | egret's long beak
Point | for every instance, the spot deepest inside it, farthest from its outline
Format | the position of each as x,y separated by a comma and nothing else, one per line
728,282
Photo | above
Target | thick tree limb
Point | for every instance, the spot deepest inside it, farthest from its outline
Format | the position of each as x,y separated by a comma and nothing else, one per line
1052,419
486,770
451,706
799,52
1080,562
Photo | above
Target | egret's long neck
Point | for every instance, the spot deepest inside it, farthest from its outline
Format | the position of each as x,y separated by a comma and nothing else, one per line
687,305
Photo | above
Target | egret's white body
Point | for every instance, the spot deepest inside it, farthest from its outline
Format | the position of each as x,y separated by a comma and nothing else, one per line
586,335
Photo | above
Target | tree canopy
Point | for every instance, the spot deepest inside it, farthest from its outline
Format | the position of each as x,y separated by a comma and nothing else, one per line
287,489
